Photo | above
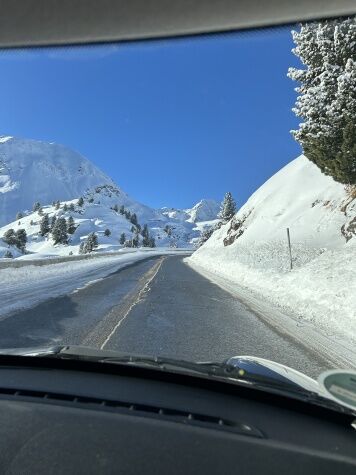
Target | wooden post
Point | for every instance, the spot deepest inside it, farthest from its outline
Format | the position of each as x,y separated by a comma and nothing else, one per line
290,250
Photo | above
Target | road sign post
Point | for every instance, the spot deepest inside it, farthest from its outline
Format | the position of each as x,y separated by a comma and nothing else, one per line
290,250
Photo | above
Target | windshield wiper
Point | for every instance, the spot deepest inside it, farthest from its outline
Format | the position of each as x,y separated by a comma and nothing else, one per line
222,371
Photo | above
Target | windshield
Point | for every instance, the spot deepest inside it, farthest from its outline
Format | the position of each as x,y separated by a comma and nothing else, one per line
190,198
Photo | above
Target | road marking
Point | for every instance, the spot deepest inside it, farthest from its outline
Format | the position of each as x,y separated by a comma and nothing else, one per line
140,295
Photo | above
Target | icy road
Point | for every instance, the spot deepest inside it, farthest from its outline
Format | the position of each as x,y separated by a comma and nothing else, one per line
157,306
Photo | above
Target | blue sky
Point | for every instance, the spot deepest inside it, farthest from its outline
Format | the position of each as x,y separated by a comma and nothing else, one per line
170,121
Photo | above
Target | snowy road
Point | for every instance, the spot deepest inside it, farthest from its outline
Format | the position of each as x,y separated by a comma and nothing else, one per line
158,306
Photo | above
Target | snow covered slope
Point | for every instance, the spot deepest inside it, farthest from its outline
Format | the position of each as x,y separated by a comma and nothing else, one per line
251,250
38,171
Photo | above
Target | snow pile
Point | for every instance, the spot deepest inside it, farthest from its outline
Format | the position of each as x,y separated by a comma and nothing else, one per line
252,249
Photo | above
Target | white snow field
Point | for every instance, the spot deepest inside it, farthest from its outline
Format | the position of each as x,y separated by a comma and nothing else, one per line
251,253
29,285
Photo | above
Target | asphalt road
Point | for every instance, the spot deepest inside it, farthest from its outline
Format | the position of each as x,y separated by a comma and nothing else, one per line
159,306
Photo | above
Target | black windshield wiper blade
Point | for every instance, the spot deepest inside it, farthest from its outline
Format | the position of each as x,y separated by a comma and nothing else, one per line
221,371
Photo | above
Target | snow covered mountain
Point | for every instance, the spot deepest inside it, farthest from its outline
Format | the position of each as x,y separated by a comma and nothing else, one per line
33,171
205,210
38,171
252,251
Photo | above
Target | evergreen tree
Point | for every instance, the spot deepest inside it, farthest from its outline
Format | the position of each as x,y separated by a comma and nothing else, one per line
31,222
133,219
8,255
90,244
71,225
133,229
144,232
138,227
81,247
71,207
53,203
228,208
116,208
36,206
107,232
91,200
53,222
80,201
21,239
327,95
19,215
65,207
40,211
58,204
152,242
122,239
168,230
59,232
128,215
135,241
44,225
122,209
9,237
146,240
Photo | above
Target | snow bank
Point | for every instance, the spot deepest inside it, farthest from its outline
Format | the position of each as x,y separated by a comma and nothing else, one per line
252,249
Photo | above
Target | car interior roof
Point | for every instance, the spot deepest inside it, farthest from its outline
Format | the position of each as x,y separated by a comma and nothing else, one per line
26,23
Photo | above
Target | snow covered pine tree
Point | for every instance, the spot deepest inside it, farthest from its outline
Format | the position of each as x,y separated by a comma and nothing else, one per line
59,231
228,208
327,100
44,226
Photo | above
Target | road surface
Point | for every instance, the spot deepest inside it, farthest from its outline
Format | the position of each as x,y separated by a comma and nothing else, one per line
159,306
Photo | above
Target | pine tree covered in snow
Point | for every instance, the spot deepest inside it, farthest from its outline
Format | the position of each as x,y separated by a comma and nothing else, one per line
21,239
71,225
144,232
19,215
59,232
80,201
8,255
36,206
228,208
133,219
135,241
89,245
18,238
122,239
107,232
53,222
9,237
327,96
44,225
